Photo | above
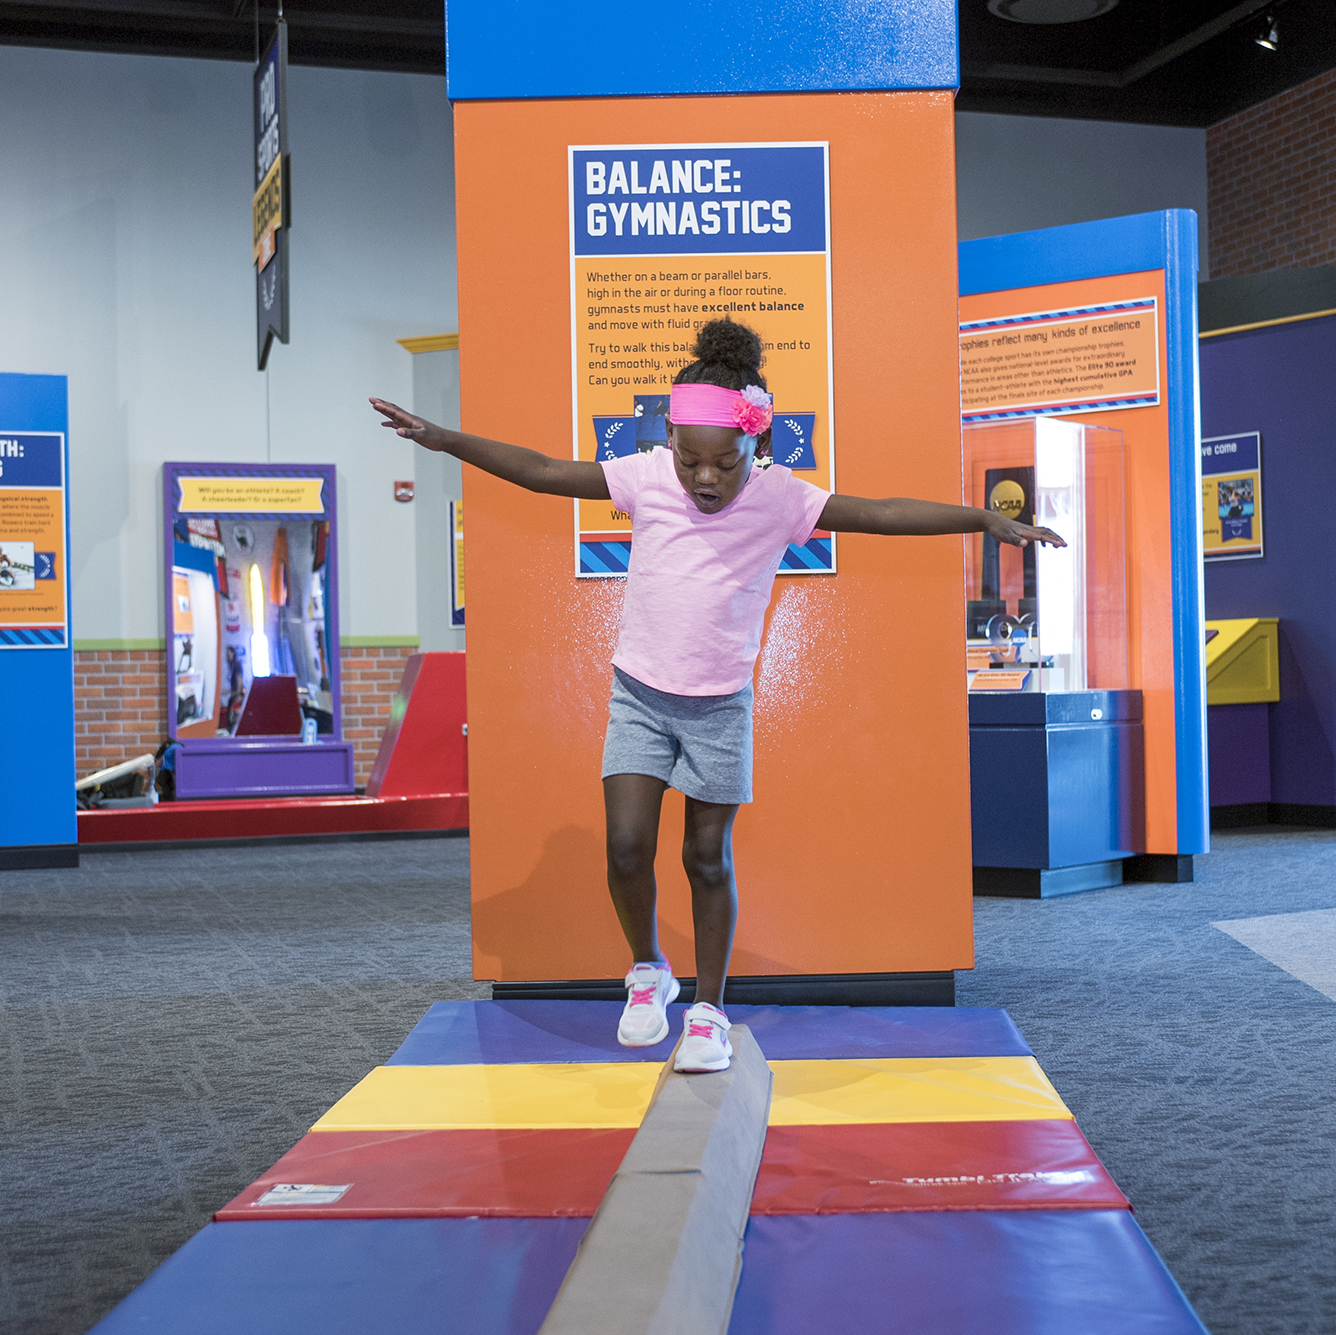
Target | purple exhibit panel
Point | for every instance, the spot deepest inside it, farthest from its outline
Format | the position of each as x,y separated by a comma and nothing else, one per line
251,588
1277,381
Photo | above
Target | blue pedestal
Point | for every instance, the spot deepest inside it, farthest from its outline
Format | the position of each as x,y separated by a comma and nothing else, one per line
1057,790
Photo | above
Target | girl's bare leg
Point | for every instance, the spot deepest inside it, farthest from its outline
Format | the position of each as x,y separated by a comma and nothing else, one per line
632,803
707,855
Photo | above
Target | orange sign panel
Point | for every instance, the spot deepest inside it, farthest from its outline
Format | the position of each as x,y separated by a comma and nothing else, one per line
1088,359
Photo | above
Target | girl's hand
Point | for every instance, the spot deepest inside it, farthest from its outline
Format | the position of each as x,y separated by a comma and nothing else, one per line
1020,535
403,423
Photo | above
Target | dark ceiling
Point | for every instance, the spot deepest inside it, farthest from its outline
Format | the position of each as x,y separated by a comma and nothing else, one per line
1166,62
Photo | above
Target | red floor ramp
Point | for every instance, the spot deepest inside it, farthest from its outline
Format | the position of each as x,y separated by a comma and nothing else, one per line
1042,1165
1010,1272
481,1033
424,1174
276,817
355,1277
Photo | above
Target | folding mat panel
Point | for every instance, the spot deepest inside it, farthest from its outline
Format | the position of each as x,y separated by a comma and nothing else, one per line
1014,1272
612,1094
467,1033
351,1277
804,1170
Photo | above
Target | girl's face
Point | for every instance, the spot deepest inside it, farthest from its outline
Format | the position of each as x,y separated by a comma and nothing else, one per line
712,463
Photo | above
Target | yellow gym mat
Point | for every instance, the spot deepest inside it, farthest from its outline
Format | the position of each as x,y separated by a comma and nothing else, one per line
616,1094
913,1089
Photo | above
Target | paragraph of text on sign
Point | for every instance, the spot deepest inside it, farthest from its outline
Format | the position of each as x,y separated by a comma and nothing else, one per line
1049,364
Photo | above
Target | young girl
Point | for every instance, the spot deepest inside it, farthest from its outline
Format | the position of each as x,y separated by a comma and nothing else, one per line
710,525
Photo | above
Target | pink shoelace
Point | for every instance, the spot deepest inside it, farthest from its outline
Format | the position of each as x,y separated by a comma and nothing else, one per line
643,996
699,1029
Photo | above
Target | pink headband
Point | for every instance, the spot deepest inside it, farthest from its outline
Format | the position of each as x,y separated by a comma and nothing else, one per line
749,410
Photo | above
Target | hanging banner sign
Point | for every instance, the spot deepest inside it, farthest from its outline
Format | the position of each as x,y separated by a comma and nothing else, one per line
33,608
269,202
1231,496
664,238
1083,360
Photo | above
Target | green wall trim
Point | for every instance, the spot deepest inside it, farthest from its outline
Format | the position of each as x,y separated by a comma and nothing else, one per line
91,646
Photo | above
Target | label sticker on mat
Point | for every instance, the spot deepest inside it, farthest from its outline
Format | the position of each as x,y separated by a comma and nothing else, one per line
1051,1179
301,1193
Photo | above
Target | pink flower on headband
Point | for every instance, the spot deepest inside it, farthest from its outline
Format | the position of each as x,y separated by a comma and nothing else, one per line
753,410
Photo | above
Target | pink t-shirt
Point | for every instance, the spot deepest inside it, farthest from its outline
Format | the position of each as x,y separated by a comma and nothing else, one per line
699,585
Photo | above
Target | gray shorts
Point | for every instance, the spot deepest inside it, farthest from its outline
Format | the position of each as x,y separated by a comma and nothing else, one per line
699,744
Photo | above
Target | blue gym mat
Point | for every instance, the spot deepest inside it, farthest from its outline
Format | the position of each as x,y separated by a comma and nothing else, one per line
351,1277
1032,1272
1026,1272
483,1033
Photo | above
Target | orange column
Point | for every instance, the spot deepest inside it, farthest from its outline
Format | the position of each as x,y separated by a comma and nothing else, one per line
855,856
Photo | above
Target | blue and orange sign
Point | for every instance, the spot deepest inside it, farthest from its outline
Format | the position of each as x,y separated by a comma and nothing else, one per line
33,609
663,239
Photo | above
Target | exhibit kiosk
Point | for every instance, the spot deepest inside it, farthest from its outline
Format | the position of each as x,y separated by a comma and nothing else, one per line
1087,682
253,630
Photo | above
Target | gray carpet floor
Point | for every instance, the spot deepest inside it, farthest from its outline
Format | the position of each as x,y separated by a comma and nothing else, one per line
173,1021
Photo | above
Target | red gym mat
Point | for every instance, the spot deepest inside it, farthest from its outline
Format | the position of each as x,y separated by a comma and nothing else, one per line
1042,1165
424,1174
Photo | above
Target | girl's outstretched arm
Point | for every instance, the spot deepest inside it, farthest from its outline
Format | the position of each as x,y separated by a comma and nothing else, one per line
900,515
525,468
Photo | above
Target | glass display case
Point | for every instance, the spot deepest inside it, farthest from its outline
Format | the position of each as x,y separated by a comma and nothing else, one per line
252,630
1040,618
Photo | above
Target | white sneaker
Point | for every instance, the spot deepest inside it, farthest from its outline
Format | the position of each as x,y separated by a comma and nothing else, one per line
650,987
706,1046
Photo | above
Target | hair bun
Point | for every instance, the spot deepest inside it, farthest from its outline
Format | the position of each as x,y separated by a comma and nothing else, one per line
727,343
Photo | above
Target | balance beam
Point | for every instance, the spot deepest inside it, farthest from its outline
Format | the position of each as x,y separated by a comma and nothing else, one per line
663,1253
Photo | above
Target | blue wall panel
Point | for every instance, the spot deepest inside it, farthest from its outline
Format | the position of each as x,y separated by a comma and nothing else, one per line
638,48
1281,381
37,685
1143,241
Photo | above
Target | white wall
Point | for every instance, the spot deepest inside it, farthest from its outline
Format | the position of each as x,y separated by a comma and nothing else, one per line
125,264
1017,173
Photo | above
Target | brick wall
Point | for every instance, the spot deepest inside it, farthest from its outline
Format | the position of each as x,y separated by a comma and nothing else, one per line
1271,183
370,677
120,703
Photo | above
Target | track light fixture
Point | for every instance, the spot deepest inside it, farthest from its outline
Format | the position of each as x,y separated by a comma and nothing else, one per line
1269,35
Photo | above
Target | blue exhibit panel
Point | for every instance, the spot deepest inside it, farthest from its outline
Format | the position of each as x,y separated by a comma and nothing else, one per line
1136,244
957,1272
350,1277
37,684
468,1033
640,48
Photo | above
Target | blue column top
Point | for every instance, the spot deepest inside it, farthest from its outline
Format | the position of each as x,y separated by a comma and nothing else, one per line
644,48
